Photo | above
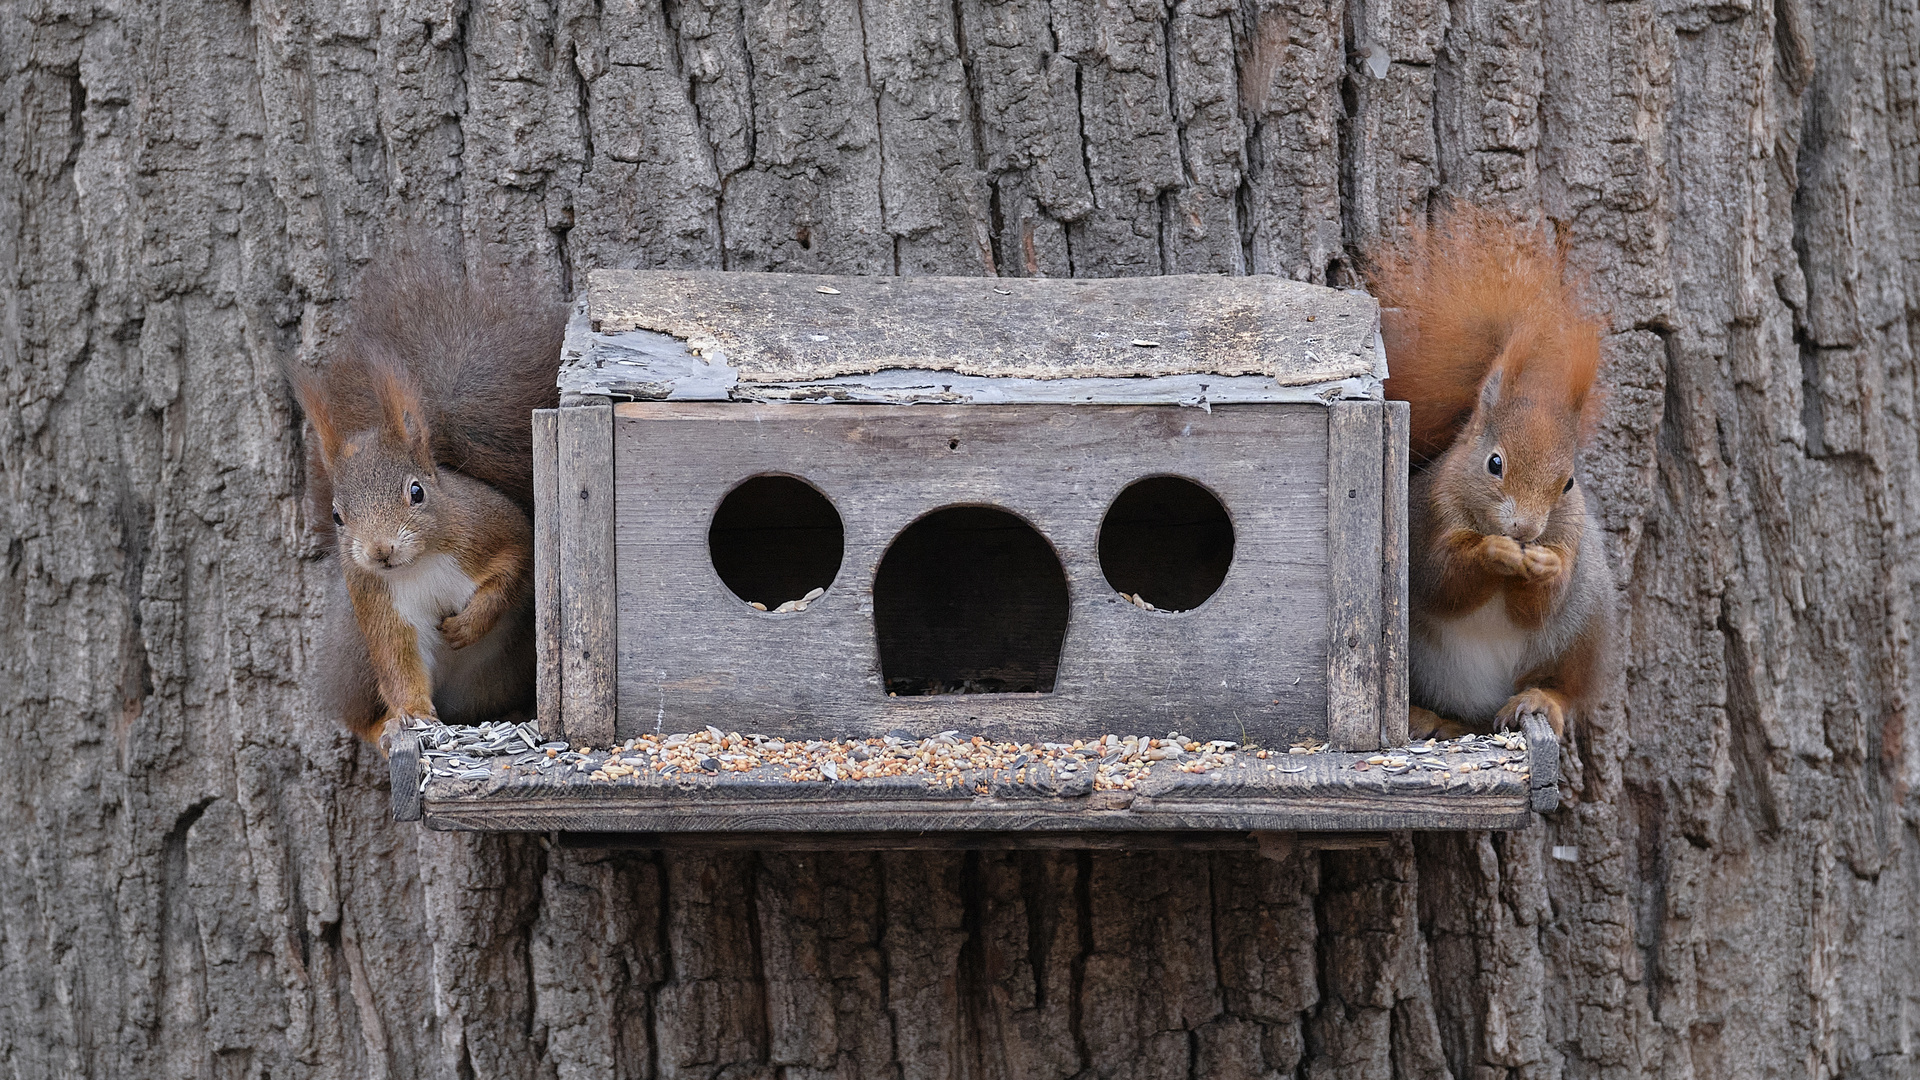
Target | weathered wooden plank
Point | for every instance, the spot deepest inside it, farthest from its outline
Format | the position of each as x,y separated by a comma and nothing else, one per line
1508,811
586,498
789,327
1211,840
403,771
1354,499
1246,664
547,614
1455,787
1543,764
643,365
1392,673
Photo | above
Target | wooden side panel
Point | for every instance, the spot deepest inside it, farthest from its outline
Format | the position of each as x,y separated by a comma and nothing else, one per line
1354,481
1248,663
1393,576
546,567
585,505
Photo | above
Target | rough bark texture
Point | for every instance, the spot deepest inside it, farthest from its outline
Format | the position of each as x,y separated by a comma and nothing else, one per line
199,879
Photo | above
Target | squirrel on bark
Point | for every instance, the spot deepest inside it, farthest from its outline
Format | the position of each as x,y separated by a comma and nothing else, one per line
423,430
1509,590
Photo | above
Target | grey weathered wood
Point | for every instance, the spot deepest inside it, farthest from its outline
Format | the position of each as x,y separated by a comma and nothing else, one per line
589,624
547,614
642,365
1543,763
403,772
1194,840
1353,539
1327,791
1249,664
785,327
1392,674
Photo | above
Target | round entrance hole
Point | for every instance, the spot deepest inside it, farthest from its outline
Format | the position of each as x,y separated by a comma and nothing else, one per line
1166,541
774,540
969,600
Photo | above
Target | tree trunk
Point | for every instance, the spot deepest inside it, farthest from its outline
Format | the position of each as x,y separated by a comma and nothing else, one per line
200,879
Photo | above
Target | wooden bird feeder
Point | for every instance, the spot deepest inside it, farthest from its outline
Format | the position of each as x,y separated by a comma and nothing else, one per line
1032,510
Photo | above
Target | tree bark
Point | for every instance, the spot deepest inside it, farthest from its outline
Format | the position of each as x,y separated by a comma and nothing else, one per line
200,879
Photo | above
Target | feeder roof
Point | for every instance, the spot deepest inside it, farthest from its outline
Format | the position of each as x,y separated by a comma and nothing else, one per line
719,335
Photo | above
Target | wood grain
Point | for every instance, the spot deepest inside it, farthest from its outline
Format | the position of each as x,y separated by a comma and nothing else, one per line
1184,840
403,770
1248,664
1326,791
1355,501
547,615
1543,764
1392,673
589,624
787,328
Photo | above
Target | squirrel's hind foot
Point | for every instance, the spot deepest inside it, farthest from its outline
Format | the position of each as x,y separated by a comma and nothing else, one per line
1427,724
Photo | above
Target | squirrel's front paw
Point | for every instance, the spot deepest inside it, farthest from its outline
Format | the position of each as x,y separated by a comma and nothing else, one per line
1503,555
459,631
1538,562
389,729
1546,703
398,721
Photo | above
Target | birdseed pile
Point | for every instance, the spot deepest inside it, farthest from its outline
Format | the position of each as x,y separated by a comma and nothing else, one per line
948,759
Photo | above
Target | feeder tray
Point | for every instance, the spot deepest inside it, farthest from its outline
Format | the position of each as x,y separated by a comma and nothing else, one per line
1033,511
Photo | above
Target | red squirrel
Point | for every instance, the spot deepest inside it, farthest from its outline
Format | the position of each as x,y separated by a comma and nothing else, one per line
423,429
1509,588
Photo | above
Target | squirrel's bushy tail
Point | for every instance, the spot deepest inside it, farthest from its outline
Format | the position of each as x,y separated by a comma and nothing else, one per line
478,356
1473,290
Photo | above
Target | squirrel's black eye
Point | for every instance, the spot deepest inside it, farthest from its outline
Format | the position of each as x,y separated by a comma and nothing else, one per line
1569,486
338,520
1496,466
415,493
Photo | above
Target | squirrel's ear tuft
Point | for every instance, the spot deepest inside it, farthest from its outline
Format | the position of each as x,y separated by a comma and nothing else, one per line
406,419
312,396
1490,390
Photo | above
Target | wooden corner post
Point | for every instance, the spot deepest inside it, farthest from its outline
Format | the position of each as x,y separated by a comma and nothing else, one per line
546,568
585,557
1393,574
1355,479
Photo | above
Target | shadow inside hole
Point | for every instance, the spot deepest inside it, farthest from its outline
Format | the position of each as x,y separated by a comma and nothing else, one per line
1168,541
775,539
969,600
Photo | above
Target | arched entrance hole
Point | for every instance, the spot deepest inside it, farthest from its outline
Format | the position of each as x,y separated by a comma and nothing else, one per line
969,600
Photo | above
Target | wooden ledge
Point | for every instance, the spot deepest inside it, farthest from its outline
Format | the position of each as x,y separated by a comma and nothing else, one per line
1485,787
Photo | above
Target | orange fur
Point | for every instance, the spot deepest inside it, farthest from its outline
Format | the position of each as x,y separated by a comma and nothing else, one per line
312,395
1477,292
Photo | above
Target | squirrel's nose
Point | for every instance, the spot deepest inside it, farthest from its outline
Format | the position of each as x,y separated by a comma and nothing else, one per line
381,553
1527,530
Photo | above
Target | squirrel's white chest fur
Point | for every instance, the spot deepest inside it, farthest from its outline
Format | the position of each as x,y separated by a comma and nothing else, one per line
424,593
1466,667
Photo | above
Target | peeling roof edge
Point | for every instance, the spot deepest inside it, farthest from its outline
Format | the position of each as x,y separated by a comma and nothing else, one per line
642,365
